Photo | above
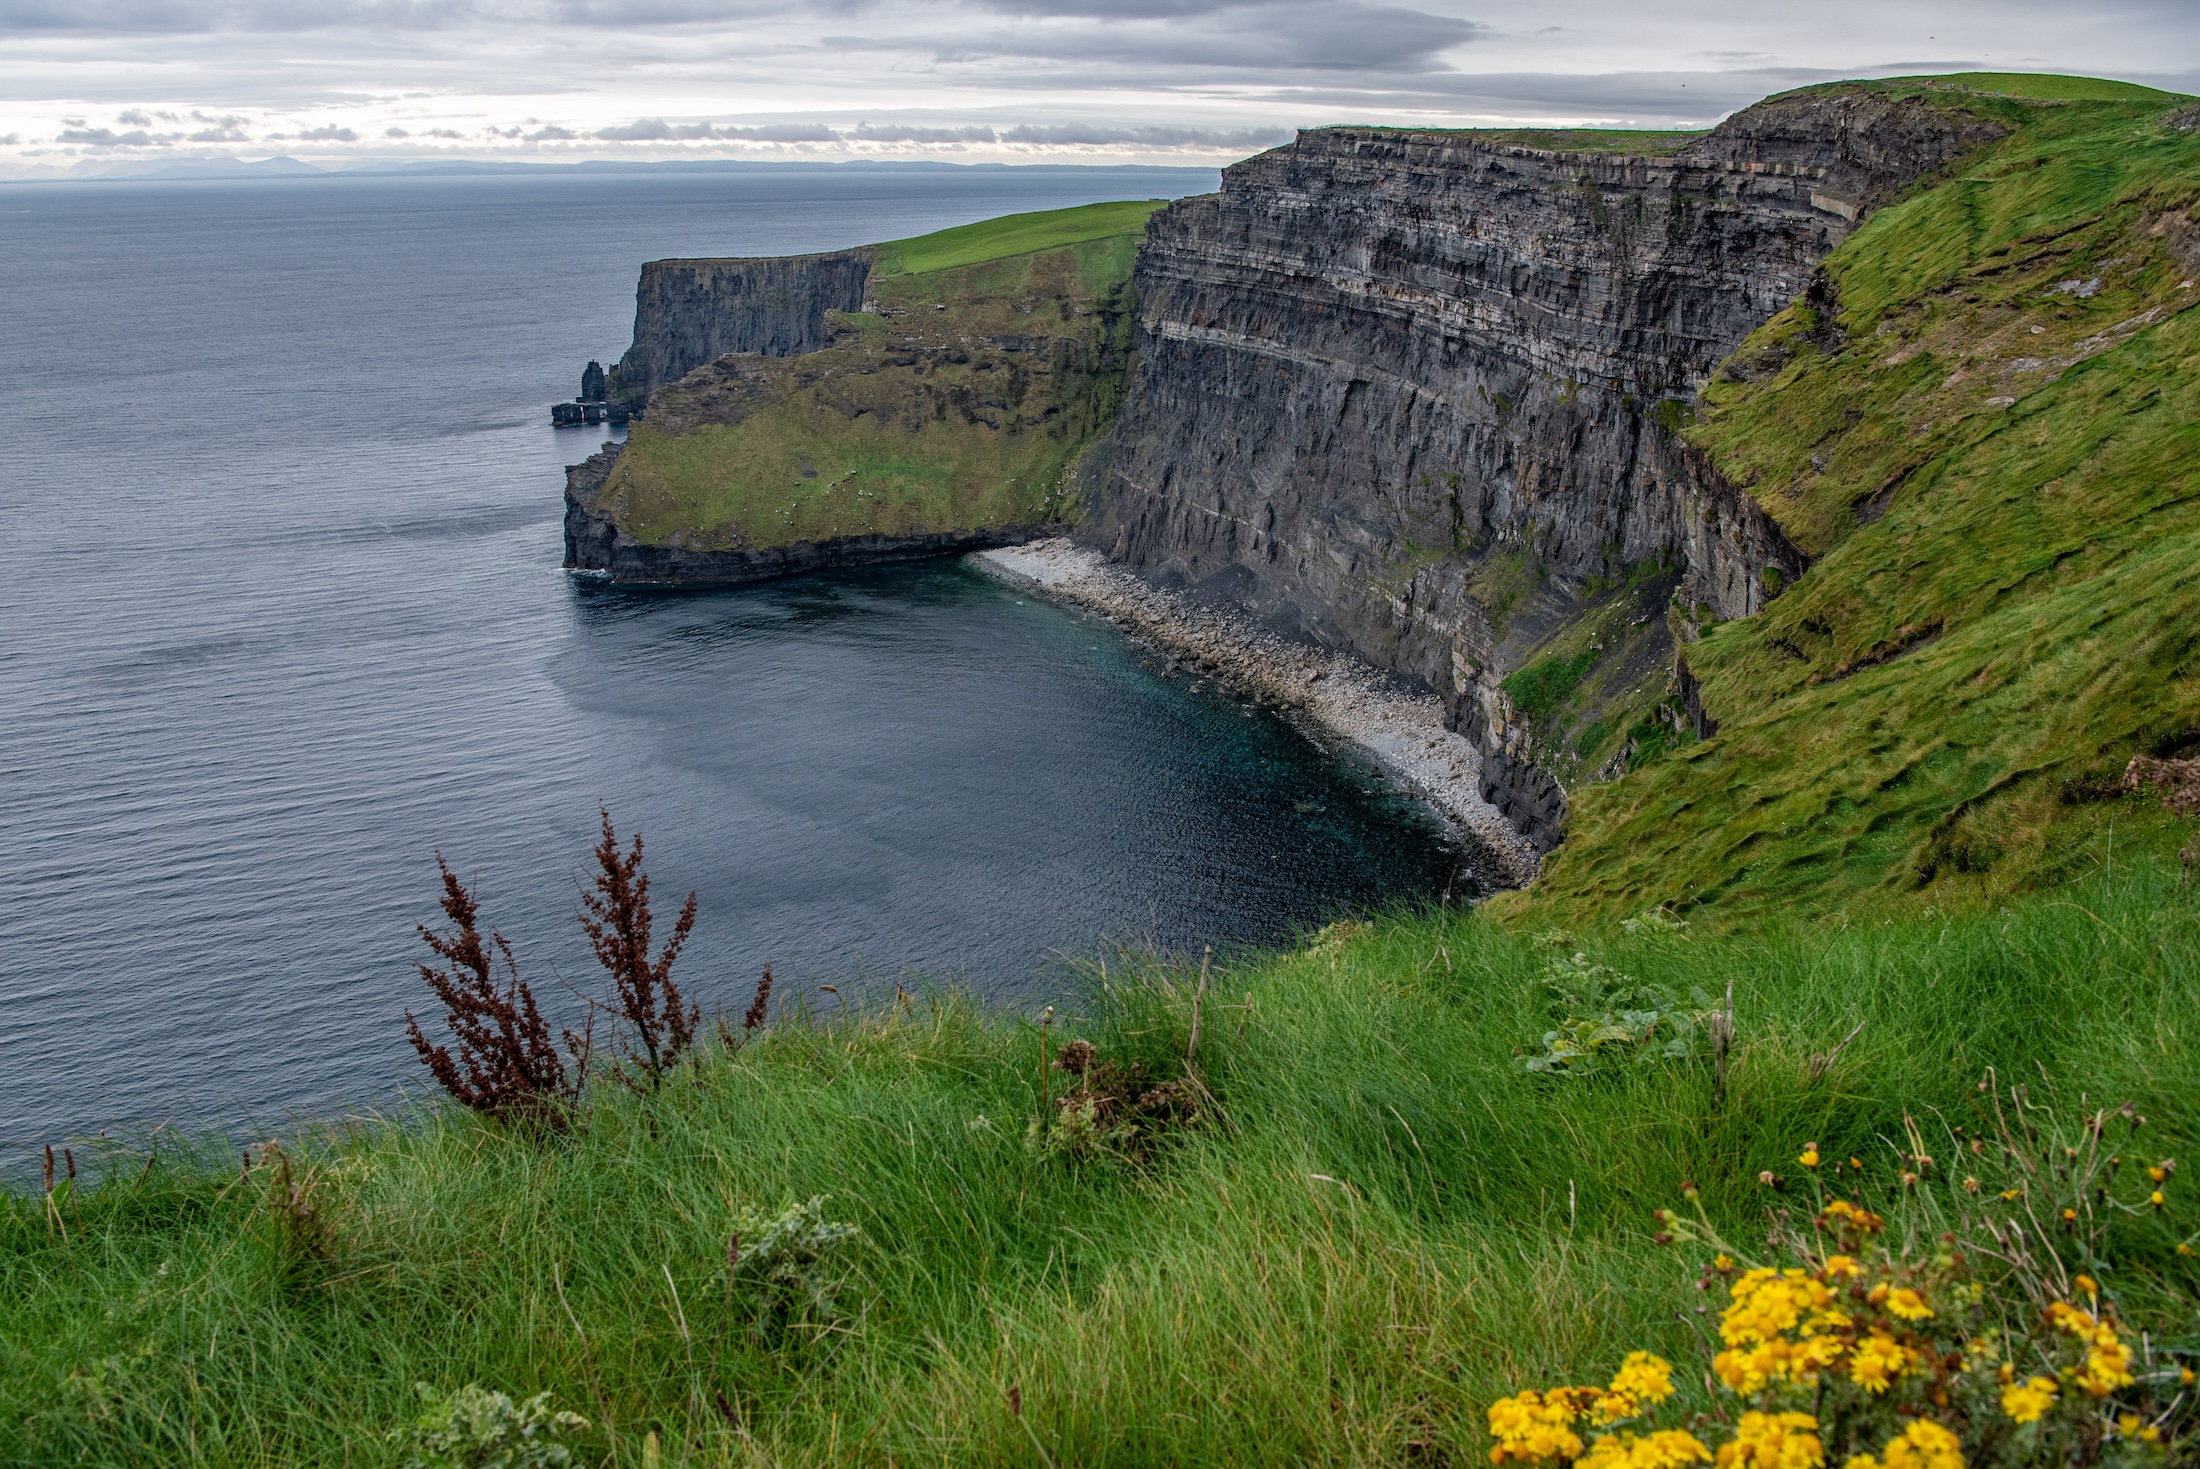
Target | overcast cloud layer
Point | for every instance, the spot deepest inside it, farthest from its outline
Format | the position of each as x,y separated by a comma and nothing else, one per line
93,84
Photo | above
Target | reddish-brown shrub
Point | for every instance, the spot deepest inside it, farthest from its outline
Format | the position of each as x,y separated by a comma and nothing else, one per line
660,1024
507,1065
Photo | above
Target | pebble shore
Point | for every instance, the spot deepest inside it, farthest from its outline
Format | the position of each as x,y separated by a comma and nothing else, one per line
1338,696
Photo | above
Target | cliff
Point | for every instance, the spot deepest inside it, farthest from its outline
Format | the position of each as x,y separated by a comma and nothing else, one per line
947,410
1415,394
689,312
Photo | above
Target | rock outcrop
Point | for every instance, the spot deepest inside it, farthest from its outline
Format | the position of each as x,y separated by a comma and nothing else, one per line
594,542
689,312
1416,394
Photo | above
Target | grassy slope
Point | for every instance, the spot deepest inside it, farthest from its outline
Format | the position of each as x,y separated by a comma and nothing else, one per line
1393,1225
1015,234
996,354
2001,478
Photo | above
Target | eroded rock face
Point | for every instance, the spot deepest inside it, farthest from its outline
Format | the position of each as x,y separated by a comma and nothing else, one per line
689,312
1380,363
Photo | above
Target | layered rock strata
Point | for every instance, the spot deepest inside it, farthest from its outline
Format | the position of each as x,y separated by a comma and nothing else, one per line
1416,394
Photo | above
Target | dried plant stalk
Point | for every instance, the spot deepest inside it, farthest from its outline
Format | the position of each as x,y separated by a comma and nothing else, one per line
618,922
507,1066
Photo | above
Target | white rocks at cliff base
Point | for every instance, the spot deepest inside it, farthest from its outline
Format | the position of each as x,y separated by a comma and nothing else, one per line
1343,697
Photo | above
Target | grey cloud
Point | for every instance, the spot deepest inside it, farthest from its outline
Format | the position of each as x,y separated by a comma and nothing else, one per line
395,133
165,17
656,129
899,133
1289,35
134,118
227,134
551,134
1108,9
108,138
328,134
784,132
1070,134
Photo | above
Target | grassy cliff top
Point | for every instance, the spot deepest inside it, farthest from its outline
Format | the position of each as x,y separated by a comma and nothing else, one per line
1014,234
1984,426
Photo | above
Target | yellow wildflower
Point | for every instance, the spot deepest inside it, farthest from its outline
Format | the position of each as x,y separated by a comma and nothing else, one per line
1810,1155
2024,1402
2107,1366
1669,1448
1642,1379
2156,1199
2011,1193
2087,1284
2157,1173
1901,1301
1774,1441
1530,1428
1842,1267
1878,1361
1923,1445
2129,1424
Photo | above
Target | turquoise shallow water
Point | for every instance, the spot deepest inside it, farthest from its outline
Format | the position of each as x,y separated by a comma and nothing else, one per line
281,617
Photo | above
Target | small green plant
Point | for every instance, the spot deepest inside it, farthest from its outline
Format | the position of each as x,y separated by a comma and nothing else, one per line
1112,1109
1538,689
792,1260
1611,1018
475,1428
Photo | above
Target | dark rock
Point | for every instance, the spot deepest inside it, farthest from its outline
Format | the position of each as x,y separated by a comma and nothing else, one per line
565,414
594,388
689,312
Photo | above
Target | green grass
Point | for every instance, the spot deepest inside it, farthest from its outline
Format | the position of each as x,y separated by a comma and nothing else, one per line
1388,1223
1015,234
2042,86
1999,476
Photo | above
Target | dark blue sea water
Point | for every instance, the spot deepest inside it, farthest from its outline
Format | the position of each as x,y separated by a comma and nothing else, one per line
281,617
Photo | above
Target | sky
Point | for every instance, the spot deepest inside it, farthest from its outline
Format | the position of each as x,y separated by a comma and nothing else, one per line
90,85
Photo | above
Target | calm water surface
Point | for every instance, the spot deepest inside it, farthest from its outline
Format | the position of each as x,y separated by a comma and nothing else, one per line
281,617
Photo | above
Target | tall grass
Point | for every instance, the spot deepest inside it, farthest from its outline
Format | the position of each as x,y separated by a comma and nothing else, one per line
1385,1223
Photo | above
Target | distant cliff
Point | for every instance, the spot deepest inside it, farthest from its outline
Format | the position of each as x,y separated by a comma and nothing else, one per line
689,312
916,398
1416,394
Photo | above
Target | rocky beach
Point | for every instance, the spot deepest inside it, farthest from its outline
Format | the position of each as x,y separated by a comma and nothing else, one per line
1340,698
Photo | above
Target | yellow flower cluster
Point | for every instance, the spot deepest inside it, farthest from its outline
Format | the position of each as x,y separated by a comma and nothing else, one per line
1774,1441
2025,1401
1531,1426
1922,1445
1668,1448
1878,1361
2107,1359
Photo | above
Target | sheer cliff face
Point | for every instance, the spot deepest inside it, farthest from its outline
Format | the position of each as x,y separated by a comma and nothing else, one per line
689,312
1413,393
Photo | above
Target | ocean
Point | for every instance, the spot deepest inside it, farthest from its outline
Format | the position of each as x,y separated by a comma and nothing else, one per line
281,618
